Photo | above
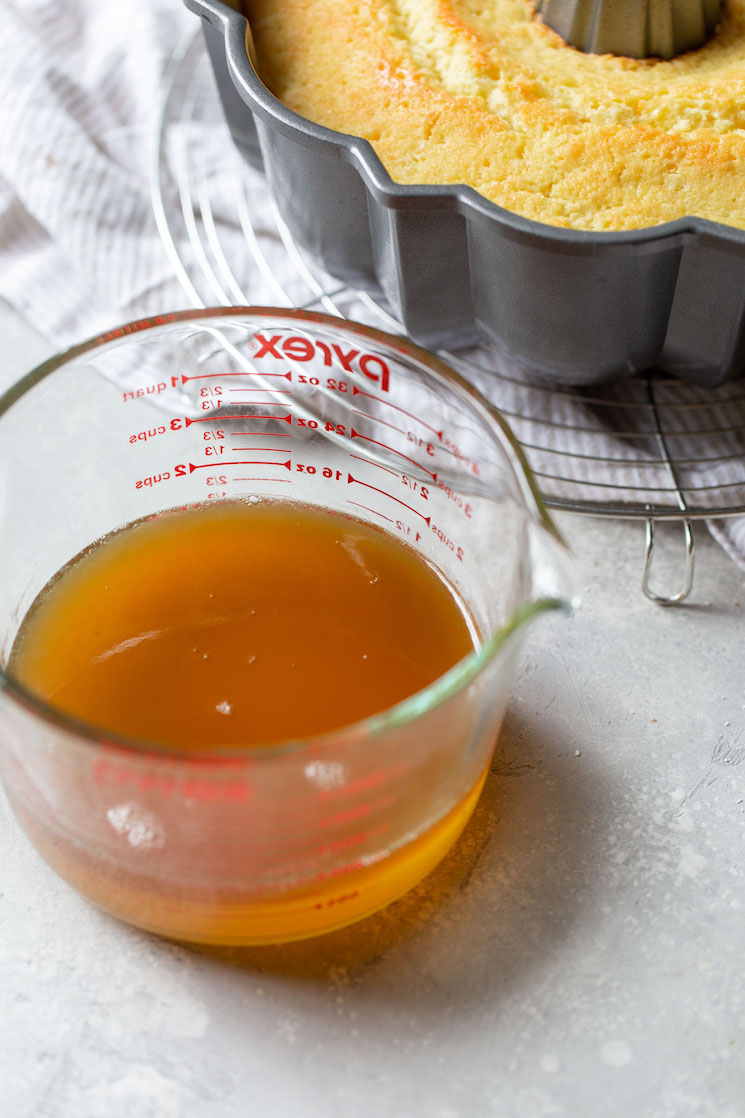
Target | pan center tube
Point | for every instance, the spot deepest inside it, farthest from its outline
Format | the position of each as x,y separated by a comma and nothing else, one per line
633,28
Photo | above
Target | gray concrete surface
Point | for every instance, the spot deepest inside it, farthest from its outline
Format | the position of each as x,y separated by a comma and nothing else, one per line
578,954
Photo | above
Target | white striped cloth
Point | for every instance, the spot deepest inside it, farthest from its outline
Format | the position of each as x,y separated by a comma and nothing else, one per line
79,250
79,84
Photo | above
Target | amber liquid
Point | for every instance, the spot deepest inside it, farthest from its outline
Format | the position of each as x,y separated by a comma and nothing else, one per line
238,625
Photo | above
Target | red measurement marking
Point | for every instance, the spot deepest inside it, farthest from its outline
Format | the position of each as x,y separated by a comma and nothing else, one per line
336,845
276,391
262,449
261,434
347,815
369,462
361,392
385,493
393,427
221,418
356,435
205,376
211,465
273,480
373,511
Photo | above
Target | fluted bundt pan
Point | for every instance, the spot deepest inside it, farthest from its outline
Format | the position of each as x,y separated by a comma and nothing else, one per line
567,306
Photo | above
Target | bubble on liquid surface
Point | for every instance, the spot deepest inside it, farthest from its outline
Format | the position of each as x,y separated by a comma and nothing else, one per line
224,707
140,827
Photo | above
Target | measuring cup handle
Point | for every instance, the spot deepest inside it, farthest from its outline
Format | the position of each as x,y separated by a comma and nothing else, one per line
552,573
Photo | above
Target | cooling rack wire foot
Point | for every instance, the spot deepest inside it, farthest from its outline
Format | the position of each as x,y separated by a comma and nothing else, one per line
674,599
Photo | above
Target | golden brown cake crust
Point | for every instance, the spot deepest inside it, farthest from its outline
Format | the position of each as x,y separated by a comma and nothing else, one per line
481,92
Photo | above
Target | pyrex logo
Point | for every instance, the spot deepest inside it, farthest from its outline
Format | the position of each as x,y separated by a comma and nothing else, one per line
303,349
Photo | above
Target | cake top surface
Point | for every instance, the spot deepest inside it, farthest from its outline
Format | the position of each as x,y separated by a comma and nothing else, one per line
482,92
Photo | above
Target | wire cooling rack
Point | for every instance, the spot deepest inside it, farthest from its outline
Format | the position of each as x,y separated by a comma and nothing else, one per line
649,448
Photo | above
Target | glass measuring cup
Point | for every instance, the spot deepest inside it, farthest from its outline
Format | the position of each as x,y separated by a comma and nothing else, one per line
281,842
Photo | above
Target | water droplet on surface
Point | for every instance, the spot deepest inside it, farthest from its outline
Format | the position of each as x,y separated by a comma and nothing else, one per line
140,827
325,774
